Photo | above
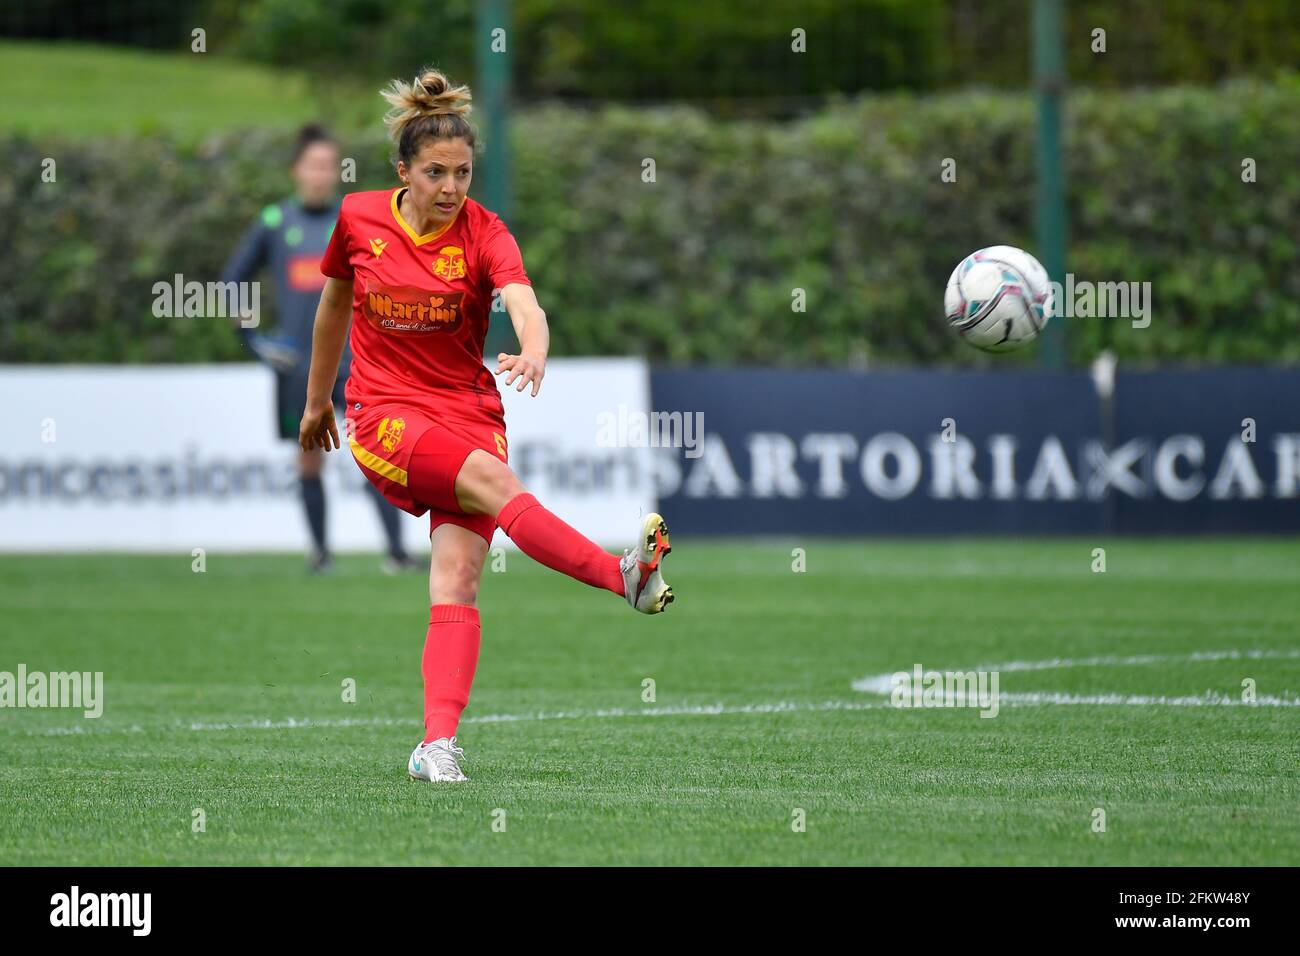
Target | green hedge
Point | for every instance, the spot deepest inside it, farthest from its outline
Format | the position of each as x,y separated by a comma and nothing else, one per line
735,51
700,265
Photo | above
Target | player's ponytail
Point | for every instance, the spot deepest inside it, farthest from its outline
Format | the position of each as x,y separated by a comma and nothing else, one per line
428,107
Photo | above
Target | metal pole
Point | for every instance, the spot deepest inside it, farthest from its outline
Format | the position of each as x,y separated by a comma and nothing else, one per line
493,43
1049,83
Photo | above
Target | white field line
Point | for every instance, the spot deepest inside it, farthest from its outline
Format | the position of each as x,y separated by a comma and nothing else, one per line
879,684
1208,699
1030,699
294,723
883,683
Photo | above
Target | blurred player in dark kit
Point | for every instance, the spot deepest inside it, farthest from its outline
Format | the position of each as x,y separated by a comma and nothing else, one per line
289,239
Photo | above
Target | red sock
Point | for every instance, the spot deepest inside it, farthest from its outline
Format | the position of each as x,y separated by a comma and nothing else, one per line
450,656
549,541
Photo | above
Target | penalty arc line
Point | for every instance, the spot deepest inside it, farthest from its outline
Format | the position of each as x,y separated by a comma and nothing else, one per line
884,683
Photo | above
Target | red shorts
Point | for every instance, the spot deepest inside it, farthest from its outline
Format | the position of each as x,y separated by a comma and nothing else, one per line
383,439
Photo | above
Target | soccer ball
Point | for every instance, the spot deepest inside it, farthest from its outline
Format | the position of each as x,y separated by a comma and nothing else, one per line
998,298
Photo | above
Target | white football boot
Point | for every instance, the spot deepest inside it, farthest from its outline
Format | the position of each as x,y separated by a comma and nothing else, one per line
643,584
436,762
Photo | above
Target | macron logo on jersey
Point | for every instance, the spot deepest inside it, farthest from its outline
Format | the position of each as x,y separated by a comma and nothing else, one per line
377,246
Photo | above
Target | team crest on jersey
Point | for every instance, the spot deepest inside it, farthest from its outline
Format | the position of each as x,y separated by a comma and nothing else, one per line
411,311
390,432
450,263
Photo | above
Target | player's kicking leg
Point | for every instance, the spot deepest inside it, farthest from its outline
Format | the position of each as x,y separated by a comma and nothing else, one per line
643,581
486,485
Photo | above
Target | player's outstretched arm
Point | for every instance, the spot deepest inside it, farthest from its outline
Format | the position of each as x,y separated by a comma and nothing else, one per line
534,337
318,428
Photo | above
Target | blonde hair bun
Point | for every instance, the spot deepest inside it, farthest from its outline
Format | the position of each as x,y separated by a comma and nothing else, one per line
429,94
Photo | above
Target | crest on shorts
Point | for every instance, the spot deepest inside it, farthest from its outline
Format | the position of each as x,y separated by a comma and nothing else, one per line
450,263
390,432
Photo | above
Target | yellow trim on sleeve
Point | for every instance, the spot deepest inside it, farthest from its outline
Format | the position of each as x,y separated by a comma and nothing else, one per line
376,464
418,239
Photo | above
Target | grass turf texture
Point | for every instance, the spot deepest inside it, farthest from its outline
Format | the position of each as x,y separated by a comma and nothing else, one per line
253,639
80,90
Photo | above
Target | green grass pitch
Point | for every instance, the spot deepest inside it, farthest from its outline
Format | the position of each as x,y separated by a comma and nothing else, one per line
209,679
136,92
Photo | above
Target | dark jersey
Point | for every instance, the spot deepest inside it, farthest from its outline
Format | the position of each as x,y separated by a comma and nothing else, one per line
288,240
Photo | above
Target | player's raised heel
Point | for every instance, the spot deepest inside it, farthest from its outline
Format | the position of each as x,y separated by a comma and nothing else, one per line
643,583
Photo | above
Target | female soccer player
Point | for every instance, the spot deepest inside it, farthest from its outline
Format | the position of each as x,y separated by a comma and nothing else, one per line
415,268
289,239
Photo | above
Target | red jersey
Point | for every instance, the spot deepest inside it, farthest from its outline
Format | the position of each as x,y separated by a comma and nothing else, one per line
420,304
